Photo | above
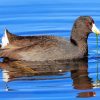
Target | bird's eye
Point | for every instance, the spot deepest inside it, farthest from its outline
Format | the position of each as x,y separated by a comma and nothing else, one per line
87,23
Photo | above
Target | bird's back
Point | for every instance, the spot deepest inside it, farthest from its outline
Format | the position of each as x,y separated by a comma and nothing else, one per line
39,48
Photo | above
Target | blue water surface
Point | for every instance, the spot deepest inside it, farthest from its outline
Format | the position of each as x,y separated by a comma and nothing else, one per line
51,17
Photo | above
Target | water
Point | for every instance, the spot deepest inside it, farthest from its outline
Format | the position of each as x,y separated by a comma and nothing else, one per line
57,81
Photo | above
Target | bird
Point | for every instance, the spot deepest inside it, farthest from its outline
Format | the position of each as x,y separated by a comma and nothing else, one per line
47,47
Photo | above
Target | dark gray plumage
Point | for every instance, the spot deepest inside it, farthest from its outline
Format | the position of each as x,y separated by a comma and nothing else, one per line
43,48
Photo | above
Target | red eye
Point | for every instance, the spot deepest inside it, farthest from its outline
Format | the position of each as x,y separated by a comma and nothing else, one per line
87,23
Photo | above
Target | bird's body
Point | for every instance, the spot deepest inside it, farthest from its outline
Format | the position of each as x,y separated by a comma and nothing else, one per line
40,48
44,48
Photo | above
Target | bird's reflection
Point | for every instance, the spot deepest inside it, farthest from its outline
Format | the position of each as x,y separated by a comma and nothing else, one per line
15,70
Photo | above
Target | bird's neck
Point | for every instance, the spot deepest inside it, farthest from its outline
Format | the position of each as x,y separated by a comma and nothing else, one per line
79,39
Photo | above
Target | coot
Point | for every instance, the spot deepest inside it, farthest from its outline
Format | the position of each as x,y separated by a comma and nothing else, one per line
45,48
